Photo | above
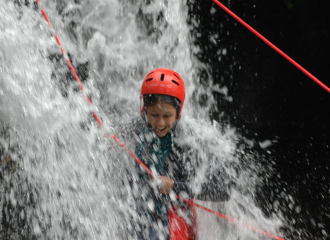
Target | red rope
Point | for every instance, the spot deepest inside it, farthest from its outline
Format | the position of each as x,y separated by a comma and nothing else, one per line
272,46
190,202
69,63
133,155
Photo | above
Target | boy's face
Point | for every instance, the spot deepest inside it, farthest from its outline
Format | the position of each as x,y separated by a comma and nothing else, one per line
161,117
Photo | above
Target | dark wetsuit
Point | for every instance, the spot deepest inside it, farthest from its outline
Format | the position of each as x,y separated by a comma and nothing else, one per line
166,158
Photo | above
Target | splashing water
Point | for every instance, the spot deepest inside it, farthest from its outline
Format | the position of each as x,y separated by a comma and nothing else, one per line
66,180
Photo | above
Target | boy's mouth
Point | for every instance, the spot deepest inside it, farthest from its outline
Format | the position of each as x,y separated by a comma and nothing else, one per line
161,129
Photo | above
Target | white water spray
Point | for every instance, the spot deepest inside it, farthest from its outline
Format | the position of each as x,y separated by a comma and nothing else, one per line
70,182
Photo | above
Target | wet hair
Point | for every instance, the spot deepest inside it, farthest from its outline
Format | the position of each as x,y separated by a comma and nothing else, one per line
153,99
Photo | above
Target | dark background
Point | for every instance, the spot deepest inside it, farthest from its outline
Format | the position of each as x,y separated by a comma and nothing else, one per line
271,100
274,100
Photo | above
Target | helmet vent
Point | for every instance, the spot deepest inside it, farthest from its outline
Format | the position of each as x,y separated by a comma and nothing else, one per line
176,76
162,77
149,79
175,82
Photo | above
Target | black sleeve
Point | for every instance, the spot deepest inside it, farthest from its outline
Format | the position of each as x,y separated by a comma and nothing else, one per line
210,191
215,189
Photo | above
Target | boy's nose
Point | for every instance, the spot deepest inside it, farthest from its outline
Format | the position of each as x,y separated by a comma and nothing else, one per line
160,122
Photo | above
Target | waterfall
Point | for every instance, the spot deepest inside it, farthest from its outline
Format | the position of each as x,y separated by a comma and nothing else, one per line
60,178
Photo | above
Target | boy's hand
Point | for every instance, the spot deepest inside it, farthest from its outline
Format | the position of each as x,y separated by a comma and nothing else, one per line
166,185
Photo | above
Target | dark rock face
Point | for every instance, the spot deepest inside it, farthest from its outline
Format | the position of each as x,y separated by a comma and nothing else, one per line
274,100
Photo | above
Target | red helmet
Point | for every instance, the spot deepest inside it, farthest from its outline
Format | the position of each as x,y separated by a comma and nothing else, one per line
166,82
